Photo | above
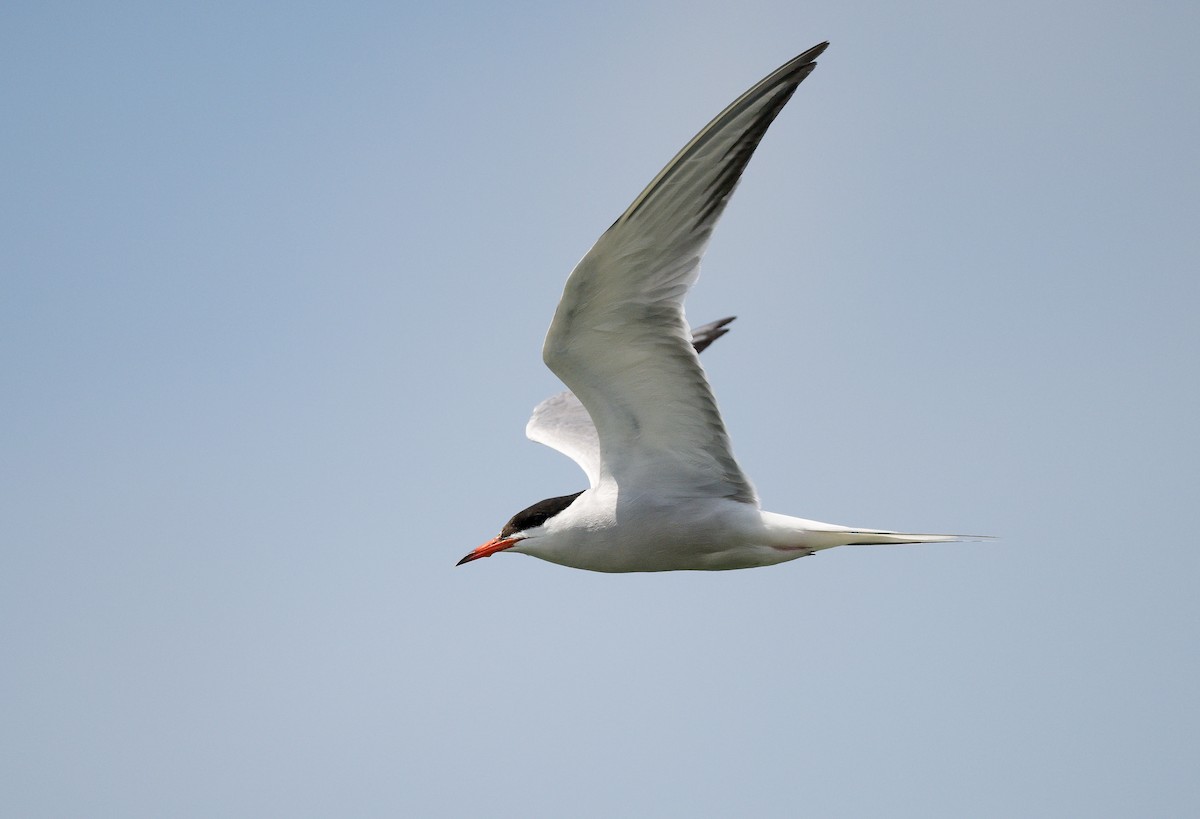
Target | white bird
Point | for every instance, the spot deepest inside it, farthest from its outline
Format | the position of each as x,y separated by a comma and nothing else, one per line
665,491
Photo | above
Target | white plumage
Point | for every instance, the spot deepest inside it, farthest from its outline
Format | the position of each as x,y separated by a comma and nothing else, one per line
665,491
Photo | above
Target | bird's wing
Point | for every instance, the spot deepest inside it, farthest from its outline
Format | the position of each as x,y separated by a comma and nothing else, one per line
561,422
619,339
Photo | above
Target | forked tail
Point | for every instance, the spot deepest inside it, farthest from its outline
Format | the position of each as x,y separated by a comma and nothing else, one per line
873,537
790,533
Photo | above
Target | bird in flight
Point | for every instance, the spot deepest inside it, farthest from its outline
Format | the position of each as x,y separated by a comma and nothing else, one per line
665,491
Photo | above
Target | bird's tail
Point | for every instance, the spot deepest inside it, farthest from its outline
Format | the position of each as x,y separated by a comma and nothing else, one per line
880,537
812,535
883,537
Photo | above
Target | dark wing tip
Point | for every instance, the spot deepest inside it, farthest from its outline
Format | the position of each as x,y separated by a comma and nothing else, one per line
812,53
800,64
776,88
706,334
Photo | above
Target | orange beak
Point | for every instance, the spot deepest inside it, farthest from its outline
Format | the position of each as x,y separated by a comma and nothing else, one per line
488,549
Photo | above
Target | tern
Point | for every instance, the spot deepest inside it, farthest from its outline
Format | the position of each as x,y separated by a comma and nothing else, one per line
665,491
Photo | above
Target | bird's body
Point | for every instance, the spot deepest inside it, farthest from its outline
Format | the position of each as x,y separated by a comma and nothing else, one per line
666,492
603,532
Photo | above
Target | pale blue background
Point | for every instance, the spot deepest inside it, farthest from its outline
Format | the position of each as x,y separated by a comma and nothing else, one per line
275,281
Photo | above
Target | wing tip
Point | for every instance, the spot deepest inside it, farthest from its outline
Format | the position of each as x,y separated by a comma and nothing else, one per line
805,61
706,334
815,51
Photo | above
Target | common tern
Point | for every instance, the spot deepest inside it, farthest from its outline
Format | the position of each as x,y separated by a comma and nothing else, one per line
665,491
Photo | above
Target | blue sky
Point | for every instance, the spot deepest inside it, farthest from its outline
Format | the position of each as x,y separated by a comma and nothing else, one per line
275,284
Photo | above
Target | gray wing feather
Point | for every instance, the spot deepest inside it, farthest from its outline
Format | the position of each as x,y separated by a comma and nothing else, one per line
619,339
561,422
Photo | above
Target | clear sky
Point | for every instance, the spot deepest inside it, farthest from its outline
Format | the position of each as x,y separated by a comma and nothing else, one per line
275,281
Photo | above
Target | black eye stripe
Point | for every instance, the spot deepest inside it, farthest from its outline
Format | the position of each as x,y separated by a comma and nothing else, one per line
537,514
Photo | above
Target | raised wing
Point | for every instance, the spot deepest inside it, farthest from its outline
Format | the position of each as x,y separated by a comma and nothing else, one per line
561,422
619,338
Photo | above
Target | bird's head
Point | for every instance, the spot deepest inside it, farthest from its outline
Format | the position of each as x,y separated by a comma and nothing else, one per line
528,523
